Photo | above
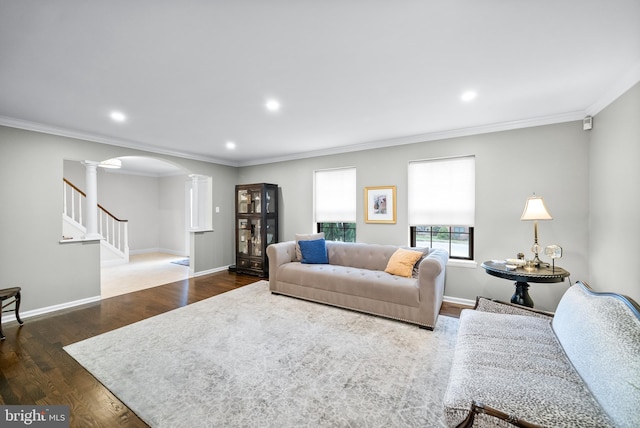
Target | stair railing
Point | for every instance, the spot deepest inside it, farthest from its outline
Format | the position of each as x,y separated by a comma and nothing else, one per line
114,230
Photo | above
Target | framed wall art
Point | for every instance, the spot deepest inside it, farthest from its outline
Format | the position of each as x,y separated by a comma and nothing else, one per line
380,204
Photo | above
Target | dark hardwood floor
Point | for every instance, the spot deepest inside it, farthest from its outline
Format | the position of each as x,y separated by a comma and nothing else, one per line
34,369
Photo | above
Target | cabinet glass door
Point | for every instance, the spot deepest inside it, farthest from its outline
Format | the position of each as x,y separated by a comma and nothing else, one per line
270,195
256,202
271,231
244,236
244,201
256,238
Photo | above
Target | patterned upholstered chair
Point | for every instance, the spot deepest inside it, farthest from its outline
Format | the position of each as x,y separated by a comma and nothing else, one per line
6,294
579,367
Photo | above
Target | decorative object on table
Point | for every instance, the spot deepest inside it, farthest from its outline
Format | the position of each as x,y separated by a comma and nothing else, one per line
380,204
513,264
553,252
530,265
535,209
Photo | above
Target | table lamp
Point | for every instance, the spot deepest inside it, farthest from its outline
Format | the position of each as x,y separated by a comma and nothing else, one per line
535,210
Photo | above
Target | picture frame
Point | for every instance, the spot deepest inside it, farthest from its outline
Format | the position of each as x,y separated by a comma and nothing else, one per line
380,204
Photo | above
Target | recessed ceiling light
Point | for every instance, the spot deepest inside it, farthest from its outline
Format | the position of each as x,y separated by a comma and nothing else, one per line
117,116
272,105
230,145
469,96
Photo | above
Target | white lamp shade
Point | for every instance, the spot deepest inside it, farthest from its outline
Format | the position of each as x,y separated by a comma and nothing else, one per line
535,209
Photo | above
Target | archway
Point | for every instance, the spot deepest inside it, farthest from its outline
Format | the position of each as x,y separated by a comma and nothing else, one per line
150,194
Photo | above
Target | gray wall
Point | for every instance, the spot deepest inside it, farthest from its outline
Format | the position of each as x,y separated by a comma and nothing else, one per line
549,160
50,273
615,197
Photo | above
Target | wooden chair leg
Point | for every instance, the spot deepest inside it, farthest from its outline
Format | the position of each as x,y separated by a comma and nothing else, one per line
8,294
2,337
18,308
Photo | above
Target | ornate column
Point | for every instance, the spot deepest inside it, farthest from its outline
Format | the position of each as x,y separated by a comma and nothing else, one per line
91,168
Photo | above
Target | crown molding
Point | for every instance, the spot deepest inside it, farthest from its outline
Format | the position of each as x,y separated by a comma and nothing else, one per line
97,138
431,136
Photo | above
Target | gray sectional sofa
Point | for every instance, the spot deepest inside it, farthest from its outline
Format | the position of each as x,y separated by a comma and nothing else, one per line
355,279
579,367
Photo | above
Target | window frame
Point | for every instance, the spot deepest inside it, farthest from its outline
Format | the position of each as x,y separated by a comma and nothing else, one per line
413,239
344,228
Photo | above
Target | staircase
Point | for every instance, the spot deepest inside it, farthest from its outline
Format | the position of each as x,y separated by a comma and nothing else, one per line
114,245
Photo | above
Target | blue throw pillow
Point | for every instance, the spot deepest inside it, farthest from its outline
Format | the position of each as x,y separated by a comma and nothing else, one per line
314,251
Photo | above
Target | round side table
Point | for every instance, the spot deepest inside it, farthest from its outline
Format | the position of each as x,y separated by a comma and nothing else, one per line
522,277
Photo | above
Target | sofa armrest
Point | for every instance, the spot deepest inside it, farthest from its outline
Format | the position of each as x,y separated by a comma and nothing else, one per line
480,408
278,254
433,265
431,276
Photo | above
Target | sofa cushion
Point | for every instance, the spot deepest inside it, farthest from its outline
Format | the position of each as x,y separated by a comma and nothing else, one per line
305,237
416,267
377,285
514,363
402,261
314,251
360,255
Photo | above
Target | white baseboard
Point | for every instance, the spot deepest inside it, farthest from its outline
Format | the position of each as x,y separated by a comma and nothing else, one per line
27,314
207,272
459,301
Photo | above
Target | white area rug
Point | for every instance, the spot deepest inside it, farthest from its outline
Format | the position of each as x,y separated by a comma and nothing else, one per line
248,358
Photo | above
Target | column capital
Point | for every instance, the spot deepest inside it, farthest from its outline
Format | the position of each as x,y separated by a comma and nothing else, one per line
90,164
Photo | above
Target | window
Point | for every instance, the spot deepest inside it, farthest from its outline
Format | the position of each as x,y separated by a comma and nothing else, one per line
457,240
345,232
442,205
335,203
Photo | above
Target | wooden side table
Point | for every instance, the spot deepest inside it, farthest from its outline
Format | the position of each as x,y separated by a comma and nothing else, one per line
522,277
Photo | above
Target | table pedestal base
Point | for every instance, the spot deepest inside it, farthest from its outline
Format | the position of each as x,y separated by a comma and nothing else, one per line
521,295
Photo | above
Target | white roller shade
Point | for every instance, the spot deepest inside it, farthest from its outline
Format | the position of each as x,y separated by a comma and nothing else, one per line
335,195
442,192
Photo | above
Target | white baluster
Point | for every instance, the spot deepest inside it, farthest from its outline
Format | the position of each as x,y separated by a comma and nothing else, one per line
64,198
80,208
126,237
106,234
73,205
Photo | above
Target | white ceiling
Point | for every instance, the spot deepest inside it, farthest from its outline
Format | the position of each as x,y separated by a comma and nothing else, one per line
192,75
